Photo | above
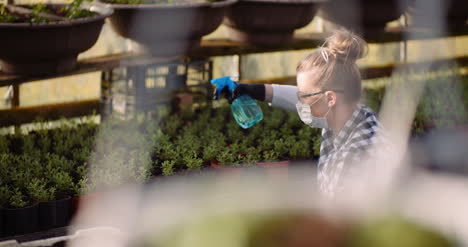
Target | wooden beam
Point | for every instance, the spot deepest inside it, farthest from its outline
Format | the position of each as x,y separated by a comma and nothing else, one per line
221,47
15,102
378,71
23,115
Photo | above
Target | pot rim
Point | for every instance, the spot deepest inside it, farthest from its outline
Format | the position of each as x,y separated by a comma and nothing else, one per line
224,3
103,10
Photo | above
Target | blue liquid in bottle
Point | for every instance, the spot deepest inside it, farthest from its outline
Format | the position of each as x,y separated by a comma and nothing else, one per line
246,111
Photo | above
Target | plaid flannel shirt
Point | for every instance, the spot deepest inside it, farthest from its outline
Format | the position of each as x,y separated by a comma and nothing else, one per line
343,155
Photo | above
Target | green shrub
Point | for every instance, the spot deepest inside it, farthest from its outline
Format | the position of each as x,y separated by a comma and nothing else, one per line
38,190
18,199
168,167
300,149
4,195
62,182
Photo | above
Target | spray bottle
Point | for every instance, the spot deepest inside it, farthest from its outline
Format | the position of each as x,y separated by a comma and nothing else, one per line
245,110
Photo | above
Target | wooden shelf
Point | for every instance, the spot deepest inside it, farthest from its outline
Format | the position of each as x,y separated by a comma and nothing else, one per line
220,47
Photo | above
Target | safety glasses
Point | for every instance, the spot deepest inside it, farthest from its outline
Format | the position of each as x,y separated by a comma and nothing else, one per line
301,96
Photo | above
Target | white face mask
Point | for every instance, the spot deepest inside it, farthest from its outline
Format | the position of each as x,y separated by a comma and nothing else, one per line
306,116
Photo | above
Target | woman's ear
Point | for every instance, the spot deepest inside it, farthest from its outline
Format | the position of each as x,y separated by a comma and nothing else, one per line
331,98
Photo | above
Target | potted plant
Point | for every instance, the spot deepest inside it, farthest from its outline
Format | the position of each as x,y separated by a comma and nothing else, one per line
20,216
64,186
268,22
44,39
39,192
367,17
4,196
166,28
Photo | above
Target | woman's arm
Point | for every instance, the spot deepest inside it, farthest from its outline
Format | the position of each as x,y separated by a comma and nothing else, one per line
282,96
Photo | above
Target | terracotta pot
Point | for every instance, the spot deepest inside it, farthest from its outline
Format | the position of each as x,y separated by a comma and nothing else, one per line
167,29
268,23
48,48
214,164
277,170
366,17
77,202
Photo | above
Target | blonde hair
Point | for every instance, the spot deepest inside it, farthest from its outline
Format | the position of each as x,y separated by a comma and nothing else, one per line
335,64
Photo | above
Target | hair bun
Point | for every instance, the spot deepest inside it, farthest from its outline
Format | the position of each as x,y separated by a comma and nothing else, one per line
345,46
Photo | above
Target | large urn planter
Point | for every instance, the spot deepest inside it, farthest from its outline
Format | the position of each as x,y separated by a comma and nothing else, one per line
164,29
366,17
268,22
47,48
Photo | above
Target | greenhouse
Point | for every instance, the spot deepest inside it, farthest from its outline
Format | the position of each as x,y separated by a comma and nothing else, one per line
238,123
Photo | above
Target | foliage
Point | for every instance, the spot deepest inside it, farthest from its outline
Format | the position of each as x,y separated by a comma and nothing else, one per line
38,190
4,195
18,199
168,167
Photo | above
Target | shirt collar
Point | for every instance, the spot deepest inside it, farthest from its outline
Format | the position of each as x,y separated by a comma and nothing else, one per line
348,127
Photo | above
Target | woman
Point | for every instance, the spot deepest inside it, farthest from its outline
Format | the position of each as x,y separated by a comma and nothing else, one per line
327,96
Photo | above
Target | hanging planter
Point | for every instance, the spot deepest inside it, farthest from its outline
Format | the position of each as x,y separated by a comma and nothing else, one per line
166,29
40,45
454,14
366,17
268,22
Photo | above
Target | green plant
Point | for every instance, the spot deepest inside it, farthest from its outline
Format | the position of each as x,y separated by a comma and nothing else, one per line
234,132
225,157
210,152
168,167
270,155
75,10
4,144
300,149
18,199
20,178
192,162
281,147
62,181
83,186
142,165
275,119
7,17
172,125
4,195
38,190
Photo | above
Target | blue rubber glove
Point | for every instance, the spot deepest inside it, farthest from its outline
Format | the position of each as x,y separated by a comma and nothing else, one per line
224,85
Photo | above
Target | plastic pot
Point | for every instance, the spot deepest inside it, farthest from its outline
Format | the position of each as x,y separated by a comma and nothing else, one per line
2,221
56,213
21,220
